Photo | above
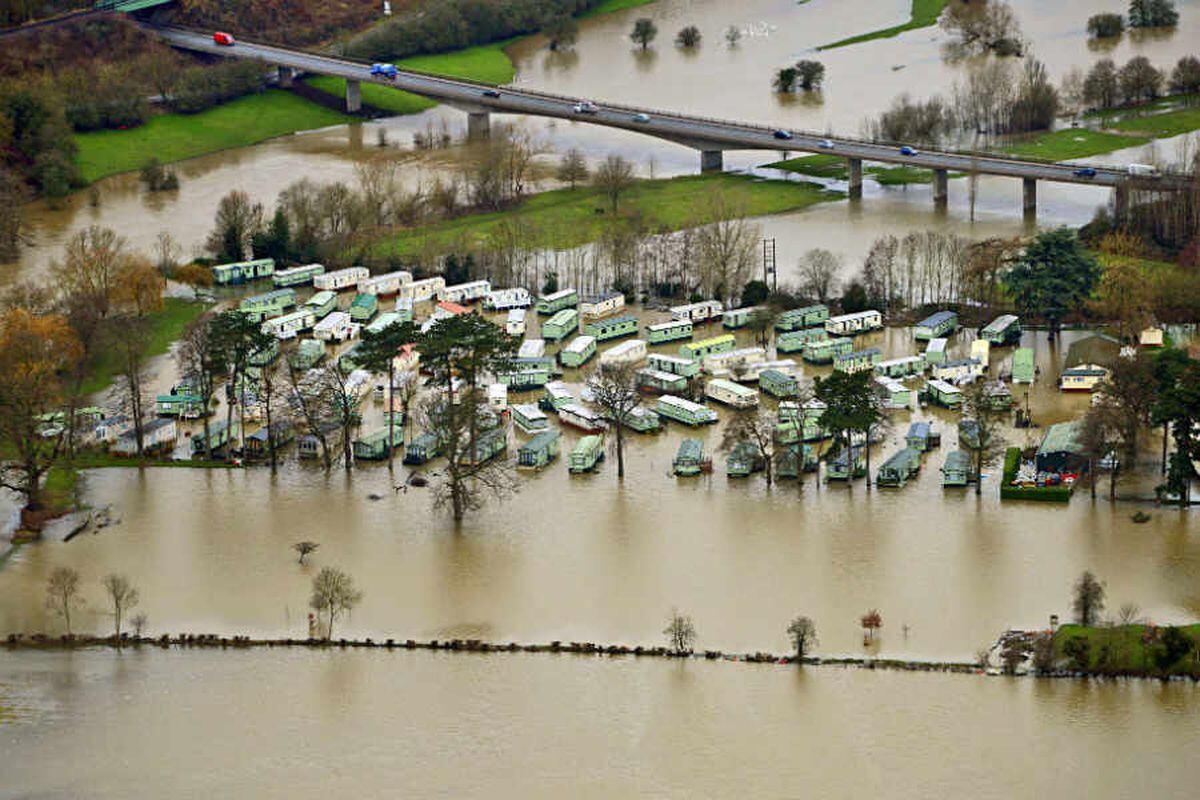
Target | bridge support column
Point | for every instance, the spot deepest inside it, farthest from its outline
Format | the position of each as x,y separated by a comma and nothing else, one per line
1120,203
286,74
353,96
1029,196
479,125
941,187
856,173
712,161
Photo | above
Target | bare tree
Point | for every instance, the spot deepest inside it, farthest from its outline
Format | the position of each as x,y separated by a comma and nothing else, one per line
310,403
139,622
986,442
470,476
123,596
200,359
62,593
12,206
129,337
333,594
680,632
305,548
819,269
573,168
614,177
238,218
93,261
614,389
1088,602
803,633
755,428
727,247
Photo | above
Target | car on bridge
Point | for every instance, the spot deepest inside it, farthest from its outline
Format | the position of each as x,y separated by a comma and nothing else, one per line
909,151
223,38
1084,172
586,107
642,118
782,134
492,93
826,144
388,71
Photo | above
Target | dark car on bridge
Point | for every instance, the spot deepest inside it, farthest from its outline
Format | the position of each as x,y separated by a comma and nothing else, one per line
783,135
492,93
1084,172
908,151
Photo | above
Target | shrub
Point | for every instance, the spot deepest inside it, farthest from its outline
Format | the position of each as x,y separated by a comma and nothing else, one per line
1104,26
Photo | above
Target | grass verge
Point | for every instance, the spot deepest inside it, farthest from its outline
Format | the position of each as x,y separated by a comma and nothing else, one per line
924,13
1170,123
174,137
566,218
1168,103
610,6
1072,143
167,326
835,167
1126,649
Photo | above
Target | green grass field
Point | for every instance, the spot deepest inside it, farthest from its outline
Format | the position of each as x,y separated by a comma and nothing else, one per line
1072,143
924,14
566,218
1170,123
168,326
830,166
1128,651
174,137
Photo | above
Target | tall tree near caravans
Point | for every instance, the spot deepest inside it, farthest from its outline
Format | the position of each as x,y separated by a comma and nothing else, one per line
200,358
987,441
614,389
377,353
1054,276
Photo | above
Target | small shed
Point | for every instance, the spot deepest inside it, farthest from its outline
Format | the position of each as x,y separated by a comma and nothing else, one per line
1061,449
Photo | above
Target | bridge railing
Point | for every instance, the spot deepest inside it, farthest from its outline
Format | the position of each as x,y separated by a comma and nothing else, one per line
980,155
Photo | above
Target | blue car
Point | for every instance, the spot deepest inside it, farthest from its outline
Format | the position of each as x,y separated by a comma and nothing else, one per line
1084,172
908,151
384,70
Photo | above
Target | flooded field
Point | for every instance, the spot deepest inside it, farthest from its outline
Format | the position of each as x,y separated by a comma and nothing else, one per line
374,724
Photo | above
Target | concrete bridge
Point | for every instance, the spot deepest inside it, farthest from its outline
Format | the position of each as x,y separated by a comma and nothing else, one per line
711,137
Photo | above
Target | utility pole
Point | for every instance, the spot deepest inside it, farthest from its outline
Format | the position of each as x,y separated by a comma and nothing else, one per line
770,274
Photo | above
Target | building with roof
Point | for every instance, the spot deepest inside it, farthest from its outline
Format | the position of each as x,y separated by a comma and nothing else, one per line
1061,449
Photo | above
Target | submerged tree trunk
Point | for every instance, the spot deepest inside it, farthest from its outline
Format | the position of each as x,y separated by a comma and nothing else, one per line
620,452
391,412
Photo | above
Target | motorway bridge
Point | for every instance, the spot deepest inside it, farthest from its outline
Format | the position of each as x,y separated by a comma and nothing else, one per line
710,137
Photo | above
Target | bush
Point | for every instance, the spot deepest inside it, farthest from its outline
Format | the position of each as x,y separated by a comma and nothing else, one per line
1104,26
205,87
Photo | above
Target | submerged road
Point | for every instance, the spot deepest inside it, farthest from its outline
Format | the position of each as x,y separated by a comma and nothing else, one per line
700,133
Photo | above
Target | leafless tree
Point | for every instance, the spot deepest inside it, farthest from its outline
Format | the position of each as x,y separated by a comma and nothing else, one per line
614,177
333,594
755,428
305,548
129,337
12,205
614,390
803,633
468,479
311,403
987,442
62,593
680,632
123,596
727,247
573,168
819,270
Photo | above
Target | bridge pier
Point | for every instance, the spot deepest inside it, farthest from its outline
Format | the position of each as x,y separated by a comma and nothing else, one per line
712,161
941,186
479,125
1120,203
286,75
856,173
1029,196
353,96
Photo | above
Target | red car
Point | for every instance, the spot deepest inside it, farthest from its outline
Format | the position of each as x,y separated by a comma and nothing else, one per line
220,37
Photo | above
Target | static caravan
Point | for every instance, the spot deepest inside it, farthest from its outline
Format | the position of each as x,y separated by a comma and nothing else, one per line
981,350
555,302
182,404
527,373
289,325
919,436
900,367
778,384
957,370
158,436
540,450
466,292
1004,329
1082,378
795,458
702,311
340,279
858,361
943,394
731,394
578,352
601,305
363,308
707,347
384,321
937,325
514,323
322,303
794,341
403,309
488,445
847,463
374,446
935,351
850,324
529,418
497,397
532,348
243,271
685,411
668,331
659,382
218,437
630,352
422,449
563,324
264,356
578,416
690,458
258,444
297,276
743,460
1023,369
268,304
753,372
801,421
896,394
824,352
612,327
956,470
308,354
687,367
734,362
897,470
556,396
587,453
421,291
388,283
505,299
642,420
337,327
805,317
740,317
999,396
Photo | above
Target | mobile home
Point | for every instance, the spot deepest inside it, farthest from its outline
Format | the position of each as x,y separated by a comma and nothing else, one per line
218,437
702,311
258,444
289,325
685,411
554,302
857,361
611,327
514,323
981,350
497,397
322,303
847,463
158,436
563,324
297,276
363,308
337,327
384,285
268,304
532,348
243,271
1082,378
730,393
384,321
943,394
707,347
919,436
587,453
690,458
743,460
421,291
937,325
527,373
734,363
540,450
488,445
600,305
935,351
1023,369
630,352
182,404
958,370
555,396
899,467
687,367
794,341
423,449
1004,329
463,293
794,459
668,331
529,418
850,324
740,317
753,372
824,352
308,354
578,352
659,382
374,446
505,299
805,317
778,384
403,309
896,394
642,420
578,416
956,469
800,421
900,367
340,279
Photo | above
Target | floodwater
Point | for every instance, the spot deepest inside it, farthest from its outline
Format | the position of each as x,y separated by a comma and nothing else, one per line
716,80
377,724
